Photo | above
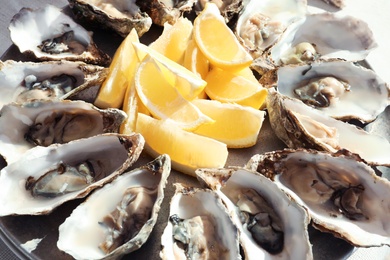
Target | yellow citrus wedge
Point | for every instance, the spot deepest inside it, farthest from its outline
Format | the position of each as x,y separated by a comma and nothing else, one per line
188,151
121,71
186,82
235,125
173,41
163,100
217,42
130,107
229,87
195,61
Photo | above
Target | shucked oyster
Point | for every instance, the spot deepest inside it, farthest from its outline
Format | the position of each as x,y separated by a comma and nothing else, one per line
119,16
32,81
198,227
301,126
119,217
45,177
23,126
342,194
49,34
339,89
270,224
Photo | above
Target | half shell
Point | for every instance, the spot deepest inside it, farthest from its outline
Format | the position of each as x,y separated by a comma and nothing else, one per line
118,218
45,177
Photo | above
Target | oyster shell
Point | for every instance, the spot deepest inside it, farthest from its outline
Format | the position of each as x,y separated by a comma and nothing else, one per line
48,34
119,16
337,3
229,9
308,39
261,23
339,89
270,224
48,80
119,217
23,126
342,194
198,227
45,177
301,126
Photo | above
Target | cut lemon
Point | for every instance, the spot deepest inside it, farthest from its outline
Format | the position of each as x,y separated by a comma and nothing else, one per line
229,87
188,151
187,83
173,41
163,100
195,61
236,126
121,71
130,108
217,42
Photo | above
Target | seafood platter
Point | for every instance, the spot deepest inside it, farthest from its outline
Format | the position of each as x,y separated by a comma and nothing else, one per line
314,185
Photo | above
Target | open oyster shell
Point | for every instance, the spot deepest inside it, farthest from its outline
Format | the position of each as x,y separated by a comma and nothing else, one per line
32,81
118,218
261,23
23,126
48,34
355,44
45,177
270,224
342,90
229,9
119,16
199,227
301,126
342,194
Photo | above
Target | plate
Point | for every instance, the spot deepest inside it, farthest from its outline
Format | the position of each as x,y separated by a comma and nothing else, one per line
17,231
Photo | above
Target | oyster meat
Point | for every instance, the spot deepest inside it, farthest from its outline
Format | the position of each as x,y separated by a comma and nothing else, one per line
270,224
32,81
23,126
118,217
198,226
339,89
342,194
45,177
48,34
119,16
301,126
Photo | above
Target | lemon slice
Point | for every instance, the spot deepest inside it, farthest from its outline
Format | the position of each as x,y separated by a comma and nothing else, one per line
186,82
174,39
188,151
121,71
229,87
163,100
195,61
235,125
217,42
130,107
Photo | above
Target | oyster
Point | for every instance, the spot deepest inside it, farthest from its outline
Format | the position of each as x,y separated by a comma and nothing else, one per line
301,126
198,226
119,217
342,194
261,23
45,177
48,34
308,39
229,9
339,89
48,80
270,224
23,126
119,16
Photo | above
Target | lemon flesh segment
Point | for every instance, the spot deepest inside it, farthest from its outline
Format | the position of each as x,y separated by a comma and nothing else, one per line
163,100
186,82
228,87
235,125
121,71
217,42
174,39
188,151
